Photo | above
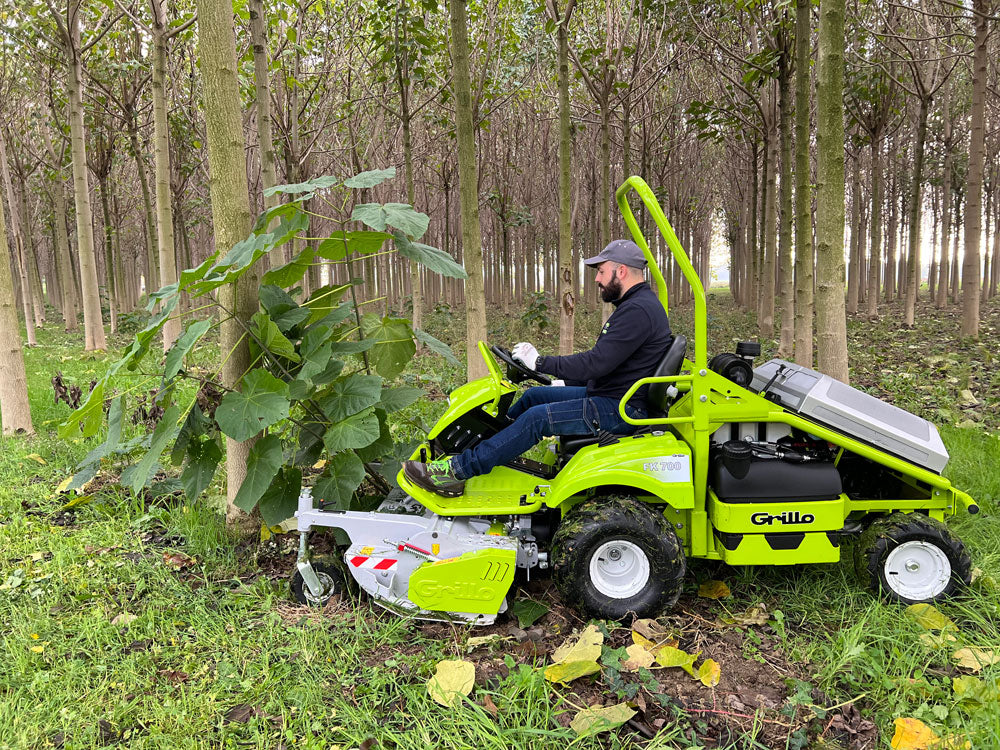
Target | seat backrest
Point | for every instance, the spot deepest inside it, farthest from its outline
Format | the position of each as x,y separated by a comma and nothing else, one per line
656,396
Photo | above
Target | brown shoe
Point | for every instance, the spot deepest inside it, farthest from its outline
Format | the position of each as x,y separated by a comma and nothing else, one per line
435,476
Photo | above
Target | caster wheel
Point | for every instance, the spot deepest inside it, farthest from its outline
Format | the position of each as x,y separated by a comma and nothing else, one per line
331,577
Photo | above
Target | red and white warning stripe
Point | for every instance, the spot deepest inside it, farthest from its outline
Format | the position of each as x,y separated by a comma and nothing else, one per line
374,563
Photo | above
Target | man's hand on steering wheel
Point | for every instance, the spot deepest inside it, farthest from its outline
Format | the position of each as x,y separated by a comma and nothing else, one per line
526,353
517,365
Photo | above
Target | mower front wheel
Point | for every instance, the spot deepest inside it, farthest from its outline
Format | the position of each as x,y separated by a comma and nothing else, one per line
331,576
616,556
911,558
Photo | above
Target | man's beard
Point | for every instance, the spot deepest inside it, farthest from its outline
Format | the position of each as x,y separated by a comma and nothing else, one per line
612,291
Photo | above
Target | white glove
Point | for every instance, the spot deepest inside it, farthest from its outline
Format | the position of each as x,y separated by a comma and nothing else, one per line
526,353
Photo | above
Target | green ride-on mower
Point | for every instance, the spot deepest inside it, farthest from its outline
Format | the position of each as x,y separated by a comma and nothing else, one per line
773,465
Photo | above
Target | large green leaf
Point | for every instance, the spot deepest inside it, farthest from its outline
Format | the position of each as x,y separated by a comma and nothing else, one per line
262,465
383,445
271,338
394,344
175,357
325,301
354,432
341,243
282,211
191,275
399,215
262,402
281,499
292,271
342,476
436,346
352,347
350,395
203,459
137,476
394,399
195,425
370,178
437,260
310,443
86,420
275,300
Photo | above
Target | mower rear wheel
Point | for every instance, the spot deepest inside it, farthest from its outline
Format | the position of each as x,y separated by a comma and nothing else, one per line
615,556
911,558
331,576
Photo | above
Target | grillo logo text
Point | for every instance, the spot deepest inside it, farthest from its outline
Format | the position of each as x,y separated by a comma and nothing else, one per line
788,518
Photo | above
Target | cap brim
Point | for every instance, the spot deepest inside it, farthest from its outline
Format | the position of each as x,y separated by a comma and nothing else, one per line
595,261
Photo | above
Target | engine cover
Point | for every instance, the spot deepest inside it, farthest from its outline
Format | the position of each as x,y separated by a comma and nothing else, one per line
848,410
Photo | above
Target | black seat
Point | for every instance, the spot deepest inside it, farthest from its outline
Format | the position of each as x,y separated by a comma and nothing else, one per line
657,400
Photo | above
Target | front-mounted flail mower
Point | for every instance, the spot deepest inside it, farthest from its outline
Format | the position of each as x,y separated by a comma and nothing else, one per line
774,465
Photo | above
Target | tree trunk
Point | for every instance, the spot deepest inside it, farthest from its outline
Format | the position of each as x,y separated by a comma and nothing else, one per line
19,254
913,253
262,87
15,411
67,281
766,306
566,292
468,189
109,262
787,271
161,161
944,269
974,189
152,259
831,321
855,263
93,324
875,251
230,209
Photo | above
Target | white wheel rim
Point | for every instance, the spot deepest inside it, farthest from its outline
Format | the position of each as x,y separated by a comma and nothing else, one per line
619,569
328,587
917,570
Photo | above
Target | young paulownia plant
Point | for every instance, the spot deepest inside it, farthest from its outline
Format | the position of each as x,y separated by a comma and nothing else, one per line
319,366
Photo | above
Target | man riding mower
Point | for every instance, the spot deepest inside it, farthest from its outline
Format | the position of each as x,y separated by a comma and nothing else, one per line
774,465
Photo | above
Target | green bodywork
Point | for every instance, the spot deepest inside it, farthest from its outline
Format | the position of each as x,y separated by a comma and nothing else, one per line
669,466
476,582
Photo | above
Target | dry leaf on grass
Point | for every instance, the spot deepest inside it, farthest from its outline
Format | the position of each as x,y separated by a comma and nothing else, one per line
37,458
452,681
975,658
591,721
124,618
490,706
241,714
930,617
913,734
178,560
714,590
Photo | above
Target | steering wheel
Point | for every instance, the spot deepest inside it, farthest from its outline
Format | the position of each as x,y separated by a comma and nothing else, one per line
520,371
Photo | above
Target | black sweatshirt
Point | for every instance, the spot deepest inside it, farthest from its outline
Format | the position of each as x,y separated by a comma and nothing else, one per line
630,346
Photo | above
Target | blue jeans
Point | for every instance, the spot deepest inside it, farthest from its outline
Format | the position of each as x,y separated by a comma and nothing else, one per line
544,411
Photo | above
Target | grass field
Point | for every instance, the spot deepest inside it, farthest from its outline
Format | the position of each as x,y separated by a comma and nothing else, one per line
142,622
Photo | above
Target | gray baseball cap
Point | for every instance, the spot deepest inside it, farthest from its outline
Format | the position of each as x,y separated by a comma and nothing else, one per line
625,252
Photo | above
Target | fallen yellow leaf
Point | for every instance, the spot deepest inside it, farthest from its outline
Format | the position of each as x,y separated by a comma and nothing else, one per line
709,673
63,485
452,681
591,721
38,649
482,640
975,658
714,590
675,657
930,617
566,671
638,656
36,457
913,734
586,647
